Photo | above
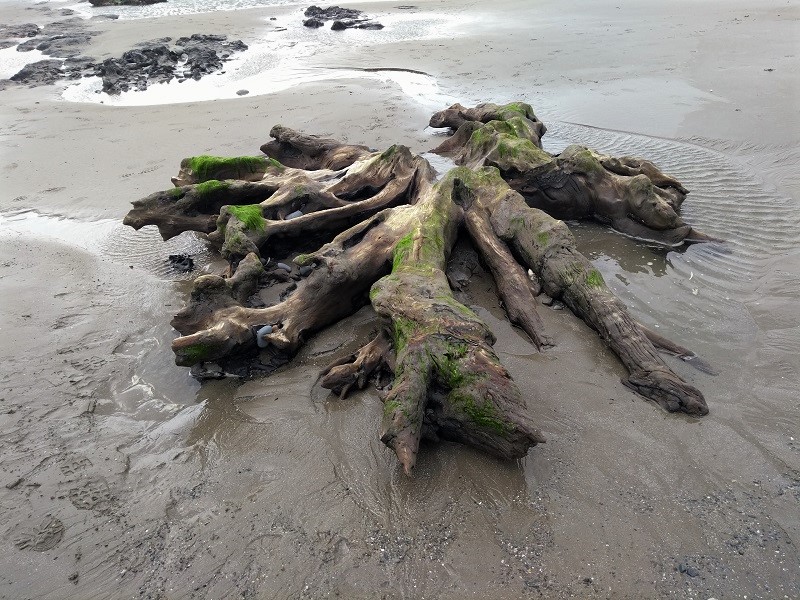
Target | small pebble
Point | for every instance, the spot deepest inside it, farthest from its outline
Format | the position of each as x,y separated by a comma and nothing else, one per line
260,336
294,215
285,267
306,270
242,92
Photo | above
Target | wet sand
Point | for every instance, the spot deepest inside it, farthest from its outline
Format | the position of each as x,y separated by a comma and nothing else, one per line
121,476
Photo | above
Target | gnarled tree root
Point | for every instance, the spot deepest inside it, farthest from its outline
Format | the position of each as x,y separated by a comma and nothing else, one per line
389,229
630,194
546,246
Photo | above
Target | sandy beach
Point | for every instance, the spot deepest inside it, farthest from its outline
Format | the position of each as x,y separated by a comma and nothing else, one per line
123,477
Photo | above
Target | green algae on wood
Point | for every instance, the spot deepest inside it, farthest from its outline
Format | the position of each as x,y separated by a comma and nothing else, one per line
207,167
250,215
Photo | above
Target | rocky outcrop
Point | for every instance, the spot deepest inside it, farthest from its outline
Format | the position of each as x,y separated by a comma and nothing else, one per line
43,72
124,2
343,18
64,39
158,61
190,58
25,30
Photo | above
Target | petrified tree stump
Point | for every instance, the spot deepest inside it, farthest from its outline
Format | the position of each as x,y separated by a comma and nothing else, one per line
383,229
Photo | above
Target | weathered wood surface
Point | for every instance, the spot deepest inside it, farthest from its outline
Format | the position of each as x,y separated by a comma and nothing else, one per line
383,229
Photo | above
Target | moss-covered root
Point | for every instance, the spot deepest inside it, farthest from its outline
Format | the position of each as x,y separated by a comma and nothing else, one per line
193,207
448,382
197,169
513,284
241,228
217,321
547,247
631,194
310,152
355,370
626,196
510,145
457,115
380,181
218,300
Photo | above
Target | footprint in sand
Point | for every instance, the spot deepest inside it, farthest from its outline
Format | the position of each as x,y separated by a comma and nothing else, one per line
92,494
72,463
45,536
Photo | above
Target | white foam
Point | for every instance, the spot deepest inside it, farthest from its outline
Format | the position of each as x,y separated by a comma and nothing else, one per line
12,61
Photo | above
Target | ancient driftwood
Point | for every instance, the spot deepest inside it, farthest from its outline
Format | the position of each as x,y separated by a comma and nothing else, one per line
377,227
630,194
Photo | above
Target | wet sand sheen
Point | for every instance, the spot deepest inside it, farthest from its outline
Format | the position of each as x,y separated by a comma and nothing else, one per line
272,489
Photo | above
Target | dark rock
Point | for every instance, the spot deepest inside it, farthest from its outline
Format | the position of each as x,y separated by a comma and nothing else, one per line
110,17
343,18
43,72
62,38
124,2
79,66
331,13
7,44
181,262
156,62
150,62
57,45
25,30
242,92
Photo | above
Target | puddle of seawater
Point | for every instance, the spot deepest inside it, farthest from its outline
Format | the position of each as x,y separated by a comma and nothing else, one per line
441,164
86,235
110,239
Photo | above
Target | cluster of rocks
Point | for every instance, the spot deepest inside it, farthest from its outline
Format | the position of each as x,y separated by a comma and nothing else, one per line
64,38
343,18
10,33
124,2
151,62
157,62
